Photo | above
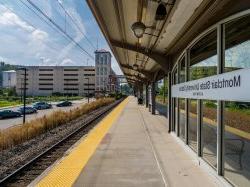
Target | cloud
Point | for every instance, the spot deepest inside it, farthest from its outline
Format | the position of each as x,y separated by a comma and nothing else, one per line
39,35
66,62
9,18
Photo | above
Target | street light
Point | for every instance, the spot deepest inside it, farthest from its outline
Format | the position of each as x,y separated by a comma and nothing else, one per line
24,94
88,88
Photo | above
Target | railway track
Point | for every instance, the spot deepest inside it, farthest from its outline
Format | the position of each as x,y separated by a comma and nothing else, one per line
24,175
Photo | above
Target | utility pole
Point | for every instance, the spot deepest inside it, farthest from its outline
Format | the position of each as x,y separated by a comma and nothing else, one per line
24,94
88,88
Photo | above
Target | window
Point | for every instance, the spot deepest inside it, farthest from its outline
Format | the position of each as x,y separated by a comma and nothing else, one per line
203,63
175,111
70,80
48,74
101,69
70,74
46,84
182,110
70,84
70,69
70,88
89,84
45,69
45,79
45,88
105,60
192,124
236,118
97,71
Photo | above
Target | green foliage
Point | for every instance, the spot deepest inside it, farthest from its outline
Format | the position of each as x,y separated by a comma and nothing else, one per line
210,104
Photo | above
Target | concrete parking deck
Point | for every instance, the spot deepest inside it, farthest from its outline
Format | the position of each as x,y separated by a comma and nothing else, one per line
136,151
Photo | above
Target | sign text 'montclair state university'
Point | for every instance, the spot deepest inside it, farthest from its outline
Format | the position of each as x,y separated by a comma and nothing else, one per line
227,86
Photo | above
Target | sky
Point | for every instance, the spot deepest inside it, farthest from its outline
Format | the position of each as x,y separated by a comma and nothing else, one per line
28,38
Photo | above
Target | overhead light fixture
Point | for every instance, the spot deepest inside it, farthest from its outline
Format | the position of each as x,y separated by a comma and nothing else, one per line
139,29
135,67
161,12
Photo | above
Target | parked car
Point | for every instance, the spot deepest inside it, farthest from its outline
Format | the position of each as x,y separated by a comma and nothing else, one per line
42,105
64,103
28,110
9,114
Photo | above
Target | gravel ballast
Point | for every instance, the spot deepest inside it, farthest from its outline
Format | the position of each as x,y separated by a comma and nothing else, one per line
13,158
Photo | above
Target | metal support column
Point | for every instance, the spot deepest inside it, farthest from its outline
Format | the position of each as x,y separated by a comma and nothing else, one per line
153,98
199,128
169,108
146,95
220,126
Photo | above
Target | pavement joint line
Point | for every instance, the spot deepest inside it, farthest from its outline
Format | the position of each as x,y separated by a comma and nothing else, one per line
161,170
66,172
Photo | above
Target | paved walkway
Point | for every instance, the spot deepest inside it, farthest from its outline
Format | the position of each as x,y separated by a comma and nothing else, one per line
138,151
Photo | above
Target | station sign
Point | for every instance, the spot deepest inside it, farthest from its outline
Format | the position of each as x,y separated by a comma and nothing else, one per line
231,86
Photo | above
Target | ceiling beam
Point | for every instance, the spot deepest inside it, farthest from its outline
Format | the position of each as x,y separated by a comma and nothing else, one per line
146,73
161,59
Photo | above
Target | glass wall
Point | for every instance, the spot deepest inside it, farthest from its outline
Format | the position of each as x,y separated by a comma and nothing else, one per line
192,124
182,110
203,63
175,108
237,113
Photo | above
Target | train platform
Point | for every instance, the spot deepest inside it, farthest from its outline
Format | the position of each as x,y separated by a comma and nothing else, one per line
129,147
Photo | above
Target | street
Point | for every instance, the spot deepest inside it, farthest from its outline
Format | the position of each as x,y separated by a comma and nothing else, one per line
6,123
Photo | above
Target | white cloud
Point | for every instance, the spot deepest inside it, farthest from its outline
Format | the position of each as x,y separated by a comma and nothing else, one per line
66,62
8,18
39,35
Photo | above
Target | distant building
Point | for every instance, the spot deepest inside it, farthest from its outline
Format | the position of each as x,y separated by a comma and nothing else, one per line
9,79
105,76
48,80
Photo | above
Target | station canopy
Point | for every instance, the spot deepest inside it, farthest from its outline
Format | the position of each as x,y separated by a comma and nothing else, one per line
147,36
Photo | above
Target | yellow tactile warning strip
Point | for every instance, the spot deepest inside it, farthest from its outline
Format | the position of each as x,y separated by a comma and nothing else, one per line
67,171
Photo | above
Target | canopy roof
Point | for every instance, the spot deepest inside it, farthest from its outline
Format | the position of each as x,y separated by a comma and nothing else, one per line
151,57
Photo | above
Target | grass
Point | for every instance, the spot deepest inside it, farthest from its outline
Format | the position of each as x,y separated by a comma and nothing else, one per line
234,117
160,99
10,101
21,133
56,98
6,103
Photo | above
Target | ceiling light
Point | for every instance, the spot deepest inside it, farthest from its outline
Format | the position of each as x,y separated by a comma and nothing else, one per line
161,12
135,67
139,29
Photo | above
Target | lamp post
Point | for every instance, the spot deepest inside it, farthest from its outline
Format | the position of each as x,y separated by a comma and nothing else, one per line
24,94
88,88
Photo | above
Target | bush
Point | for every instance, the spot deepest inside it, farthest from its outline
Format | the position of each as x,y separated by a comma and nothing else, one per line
210,104
21,133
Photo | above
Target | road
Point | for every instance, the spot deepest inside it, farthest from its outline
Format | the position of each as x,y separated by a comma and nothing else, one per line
6,123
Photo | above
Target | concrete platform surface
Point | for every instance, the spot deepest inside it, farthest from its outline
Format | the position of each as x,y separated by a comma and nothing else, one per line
138,151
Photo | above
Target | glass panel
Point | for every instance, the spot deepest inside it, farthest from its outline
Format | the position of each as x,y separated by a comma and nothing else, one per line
237,114
192,126
203,57
175,81
182,71
209,125
203,63
182,117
